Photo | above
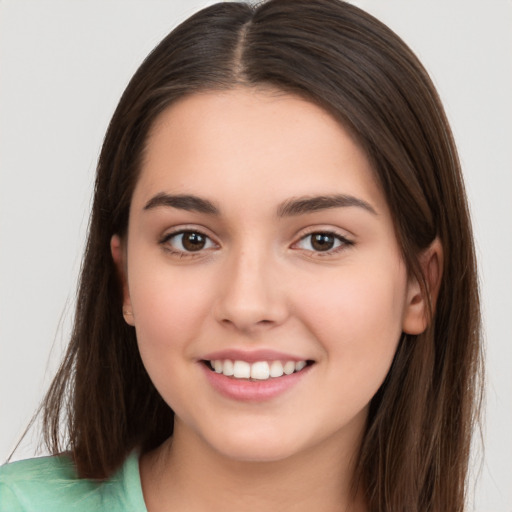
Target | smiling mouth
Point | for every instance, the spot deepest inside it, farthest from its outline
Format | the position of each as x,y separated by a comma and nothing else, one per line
257,371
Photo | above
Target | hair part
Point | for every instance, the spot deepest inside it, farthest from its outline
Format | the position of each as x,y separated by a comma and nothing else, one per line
341,58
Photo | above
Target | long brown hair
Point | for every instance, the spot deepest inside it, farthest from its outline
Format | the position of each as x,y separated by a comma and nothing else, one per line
414,454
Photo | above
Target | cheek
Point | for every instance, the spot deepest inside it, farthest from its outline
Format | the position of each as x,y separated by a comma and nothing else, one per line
357,318
169,310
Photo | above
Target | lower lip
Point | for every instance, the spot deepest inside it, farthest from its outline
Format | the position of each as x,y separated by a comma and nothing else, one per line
253,391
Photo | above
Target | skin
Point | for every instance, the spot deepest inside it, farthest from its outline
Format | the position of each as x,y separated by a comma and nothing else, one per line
260,284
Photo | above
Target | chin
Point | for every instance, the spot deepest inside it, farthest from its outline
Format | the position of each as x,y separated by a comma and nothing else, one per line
254,446
257,453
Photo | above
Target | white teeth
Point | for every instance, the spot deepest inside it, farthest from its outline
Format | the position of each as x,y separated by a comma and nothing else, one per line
276,369
241,370
299,365
289,367
228,368
260,370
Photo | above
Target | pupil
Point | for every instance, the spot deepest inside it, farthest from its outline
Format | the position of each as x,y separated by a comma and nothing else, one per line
193,241
322,242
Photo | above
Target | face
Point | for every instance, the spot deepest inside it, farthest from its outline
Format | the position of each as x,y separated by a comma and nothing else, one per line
262,274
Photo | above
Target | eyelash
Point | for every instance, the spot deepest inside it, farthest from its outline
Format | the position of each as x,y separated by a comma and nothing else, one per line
183,253
344,243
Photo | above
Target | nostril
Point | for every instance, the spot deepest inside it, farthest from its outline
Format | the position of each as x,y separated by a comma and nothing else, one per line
247,325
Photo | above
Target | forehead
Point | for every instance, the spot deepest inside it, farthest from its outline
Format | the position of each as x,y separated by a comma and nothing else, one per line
255,145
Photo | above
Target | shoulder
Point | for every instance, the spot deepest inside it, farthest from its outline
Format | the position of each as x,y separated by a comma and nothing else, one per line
30,483
51,484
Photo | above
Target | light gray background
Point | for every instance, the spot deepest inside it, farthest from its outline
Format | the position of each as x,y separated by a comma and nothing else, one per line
63,67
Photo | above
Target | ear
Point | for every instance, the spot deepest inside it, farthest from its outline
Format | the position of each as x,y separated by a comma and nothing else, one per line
416,315
119,256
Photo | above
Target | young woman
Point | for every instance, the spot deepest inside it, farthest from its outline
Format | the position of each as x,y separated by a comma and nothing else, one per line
278,306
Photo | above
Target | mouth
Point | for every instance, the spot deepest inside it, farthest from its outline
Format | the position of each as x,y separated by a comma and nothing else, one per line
256,371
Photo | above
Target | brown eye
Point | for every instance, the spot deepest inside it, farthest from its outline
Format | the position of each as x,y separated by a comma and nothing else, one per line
323,242
187,241
193,241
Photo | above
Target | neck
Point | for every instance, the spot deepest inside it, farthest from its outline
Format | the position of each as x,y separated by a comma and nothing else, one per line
186,474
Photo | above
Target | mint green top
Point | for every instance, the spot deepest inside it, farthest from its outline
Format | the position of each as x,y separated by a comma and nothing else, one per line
50,484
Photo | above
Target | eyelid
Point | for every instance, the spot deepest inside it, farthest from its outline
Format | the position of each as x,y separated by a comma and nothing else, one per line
345,241
178,230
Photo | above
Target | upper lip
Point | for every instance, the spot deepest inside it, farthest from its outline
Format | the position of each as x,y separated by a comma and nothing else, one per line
252,356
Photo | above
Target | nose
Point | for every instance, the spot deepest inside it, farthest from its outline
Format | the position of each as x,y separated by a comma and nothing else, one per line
251,297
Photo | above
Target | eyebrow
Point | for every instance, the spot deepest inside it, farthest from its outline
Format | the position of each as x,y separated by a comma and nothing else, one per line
290,208
302,205
182,202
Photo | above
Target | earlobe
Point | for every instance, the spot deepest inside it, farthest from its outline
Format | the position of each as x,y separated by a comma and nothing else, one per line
417,312
119,256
